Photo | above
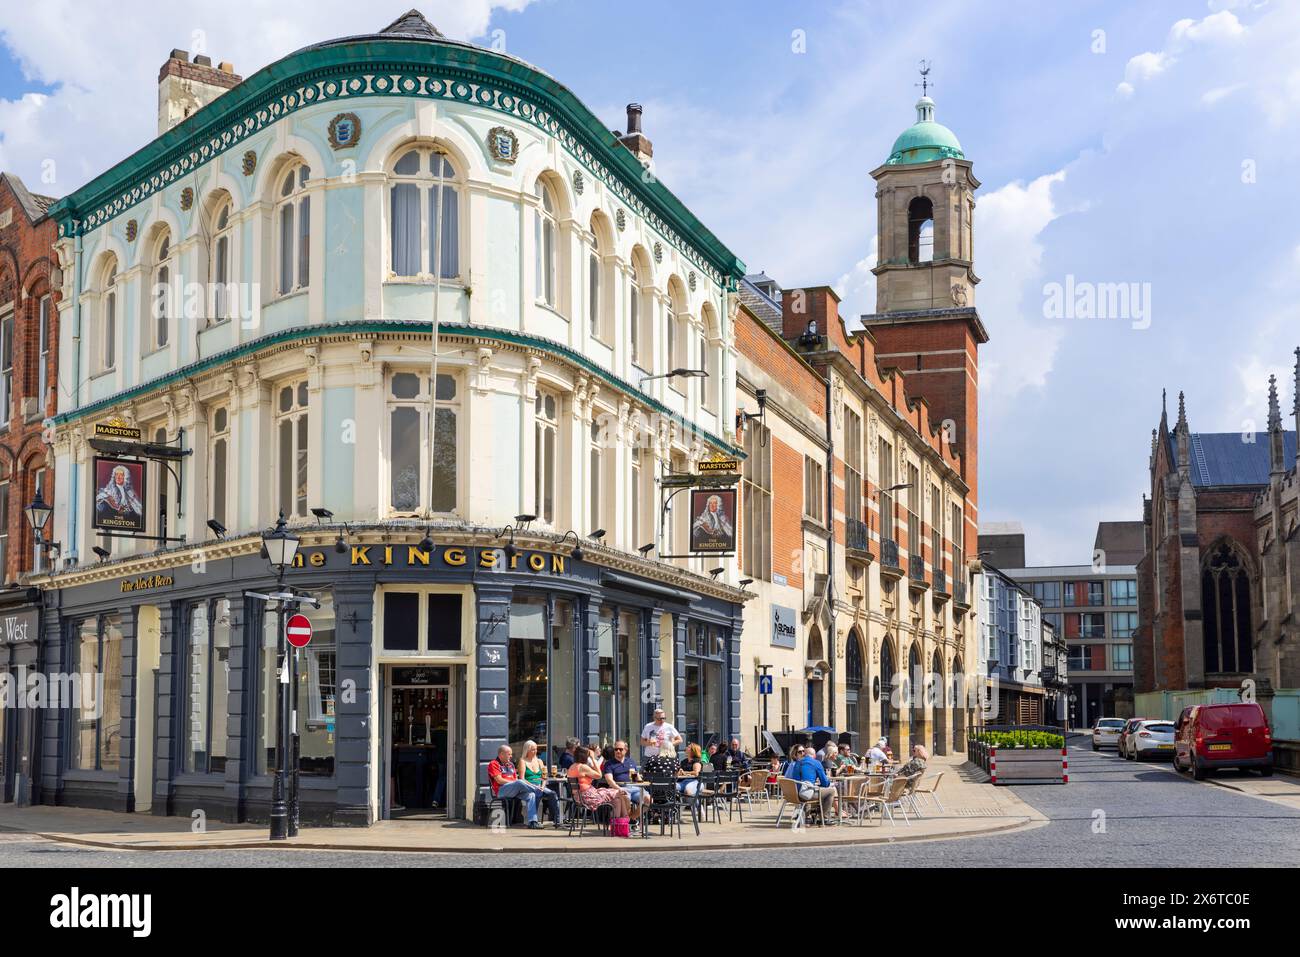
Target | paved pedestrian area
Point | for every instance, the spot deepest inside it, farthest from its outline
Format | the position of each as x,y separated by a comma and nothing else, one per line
971,807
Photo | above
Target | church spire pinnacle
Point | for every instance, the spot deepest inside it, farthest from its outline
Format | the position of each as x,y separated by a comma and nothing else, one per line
1182,414
1274,410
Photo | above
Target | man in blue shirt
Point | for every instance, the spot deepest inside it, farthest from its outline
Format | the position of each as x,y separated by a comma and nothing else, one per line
813,783
618,773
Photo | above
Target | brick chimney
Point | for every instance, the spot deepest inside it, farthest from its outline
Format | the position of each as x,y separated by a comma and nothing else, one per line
185,87
634,139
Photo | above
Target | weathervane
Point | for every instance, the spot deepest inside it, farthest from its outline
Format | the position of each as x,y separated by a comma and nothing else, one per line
925,78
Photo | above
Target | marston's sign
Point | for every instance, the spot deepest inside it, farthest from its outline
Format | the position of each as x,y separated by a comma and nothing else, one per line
719,465
116,430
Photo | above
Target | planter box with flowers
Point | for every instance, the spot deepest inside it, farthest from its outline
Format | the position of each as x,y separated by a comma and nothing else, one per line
1019,754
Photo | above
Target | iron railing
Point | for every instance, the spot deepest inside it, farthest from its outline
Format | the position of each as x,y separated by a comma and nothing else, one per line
889,553
959,593
940,581
855,535
916,568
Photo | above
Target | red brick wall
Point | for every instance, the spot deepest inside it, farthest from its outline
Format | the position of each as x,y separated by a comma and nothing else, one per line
787,512
26,260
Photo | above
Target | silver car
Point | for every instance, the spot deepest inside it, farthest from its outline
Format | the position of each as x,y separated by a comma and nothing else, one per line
1152,739
1105,733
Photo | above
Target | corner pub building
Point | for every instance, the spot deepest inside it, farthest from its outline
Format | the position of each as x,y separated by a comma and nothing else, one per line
478,511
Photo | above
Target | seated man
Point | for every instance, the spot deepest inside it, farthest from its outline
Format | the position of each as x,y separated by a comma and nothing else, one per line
619,771
813,782
736,760
507,786
566,759
877,755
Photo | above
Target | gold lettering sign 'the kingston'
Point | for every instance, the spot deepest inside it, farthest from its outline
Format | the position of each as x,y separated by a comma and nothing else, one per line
452,556
146,582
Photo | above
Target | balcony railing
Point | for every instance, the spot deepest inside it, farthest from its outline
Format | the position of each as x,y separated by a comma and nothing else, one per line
916,571
856,537
959,595
889,563
940,583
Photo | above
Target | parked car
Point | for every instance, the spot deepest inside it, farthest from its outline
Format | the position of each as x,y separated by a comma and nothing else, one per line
1105,733
1122,742
1212,736
1150,739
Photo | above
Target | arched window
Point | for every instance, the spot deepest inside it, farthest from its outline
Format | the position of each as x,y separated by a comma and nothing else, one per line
1225,610
920,230
675,330
293,220
219,261
108,316
940,720
424,214
220,444
853,677
959,706
546,239
710,385
915,696
888,706
6,353
638,333
159,293
546,465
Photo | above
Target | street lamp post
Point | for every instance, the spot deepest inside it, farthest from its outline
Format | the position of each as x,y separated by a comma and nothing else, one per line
280,546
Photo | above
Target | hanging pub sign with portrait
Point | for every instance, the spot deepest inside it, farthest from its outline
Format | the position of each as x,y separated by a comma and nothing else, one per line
713,520
119,495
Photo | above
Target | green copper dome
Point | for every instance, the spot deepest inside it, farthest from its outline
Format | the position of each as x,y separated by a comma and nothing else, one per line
925,140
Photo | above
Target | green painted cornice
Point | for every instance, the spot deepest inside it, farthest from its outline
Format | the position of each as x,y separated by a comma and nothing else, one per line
367,327
344,70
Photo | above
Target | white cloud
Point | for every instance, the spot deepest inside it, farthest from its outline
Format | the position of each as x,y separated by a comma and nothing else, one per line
1010,222
102,61
1213,96
1216,28
857,287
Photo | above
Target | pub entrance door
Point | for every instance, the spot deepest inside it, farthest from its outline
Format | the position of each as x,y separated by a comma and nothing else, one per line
421,726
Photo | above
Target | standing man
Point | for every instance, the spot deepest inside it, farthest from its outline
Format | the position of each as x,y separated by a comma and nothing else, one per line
507,786
658,734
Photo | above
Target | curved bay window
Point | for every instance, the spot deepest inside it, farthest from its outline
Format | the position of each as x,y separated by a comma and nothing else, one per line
291,435
97,710
207,687
409,491
1225,607
424,215
293,223
705,667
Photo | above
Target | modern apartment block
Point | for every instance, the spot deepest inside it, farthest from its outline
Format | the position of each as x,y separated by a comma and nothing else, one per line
1095,608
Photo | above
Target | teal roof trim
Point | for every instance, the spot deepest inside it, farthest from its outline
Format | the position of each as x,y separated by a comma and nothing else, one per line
346,69
390,325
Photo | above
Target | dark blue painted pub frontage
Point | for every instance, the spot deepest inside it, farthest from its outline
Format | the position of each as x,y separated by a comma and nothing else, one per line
422,663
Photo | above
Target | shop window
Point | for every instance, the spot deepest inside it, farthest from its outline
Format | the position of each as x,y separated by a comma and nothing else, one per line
292,438
97,729
317,691
705,673
207,687
443,624
527,659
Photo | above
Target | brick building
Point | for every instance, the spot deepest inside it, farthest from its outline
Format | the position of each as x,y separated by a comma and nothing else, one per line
880,507
28,364
1218,579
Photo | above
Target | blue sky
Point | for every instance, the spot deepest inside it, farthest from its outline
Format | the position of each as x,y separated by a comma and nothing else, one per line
1159,151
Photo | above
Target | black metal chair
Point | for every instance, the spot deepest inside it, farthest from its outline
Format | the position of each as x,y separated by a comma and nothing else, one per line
580,814
666,806
707,796
508,807
727,793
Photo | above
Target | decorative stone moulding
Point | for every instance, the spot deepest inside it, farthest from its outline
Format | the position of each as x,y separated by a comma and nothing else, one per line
690,280
250,162
132,227
620,220
187,198
578,182
345,131
659,252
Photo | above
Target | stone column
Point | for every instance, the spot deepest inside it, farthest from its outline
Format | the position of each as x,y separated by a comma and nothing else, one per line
679,670
649,619
732,667
171,648
127,725
241,715
589,671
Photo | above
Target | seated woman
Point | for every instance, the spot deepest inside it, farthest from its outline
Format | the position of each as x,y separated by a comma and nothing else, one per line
689,783
582,774
533,769
917,764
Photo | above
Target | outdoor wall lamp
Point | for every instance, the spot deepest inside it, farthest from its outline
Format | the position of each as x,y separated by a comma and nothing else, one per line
38,514
279,546
577,552
510,549
676,373
218,529
743,417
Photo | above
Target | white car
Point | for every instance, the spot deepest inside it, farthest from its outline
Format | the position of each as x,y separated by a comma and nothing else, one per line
1105,733
1152,739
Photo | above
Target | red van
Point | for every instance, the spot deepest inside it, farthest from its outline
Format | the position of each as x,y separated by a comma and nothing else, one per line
1212,736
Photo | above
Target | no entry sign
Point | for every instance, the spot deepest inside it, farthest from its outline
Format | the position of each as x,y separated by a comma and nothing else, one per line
298,631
